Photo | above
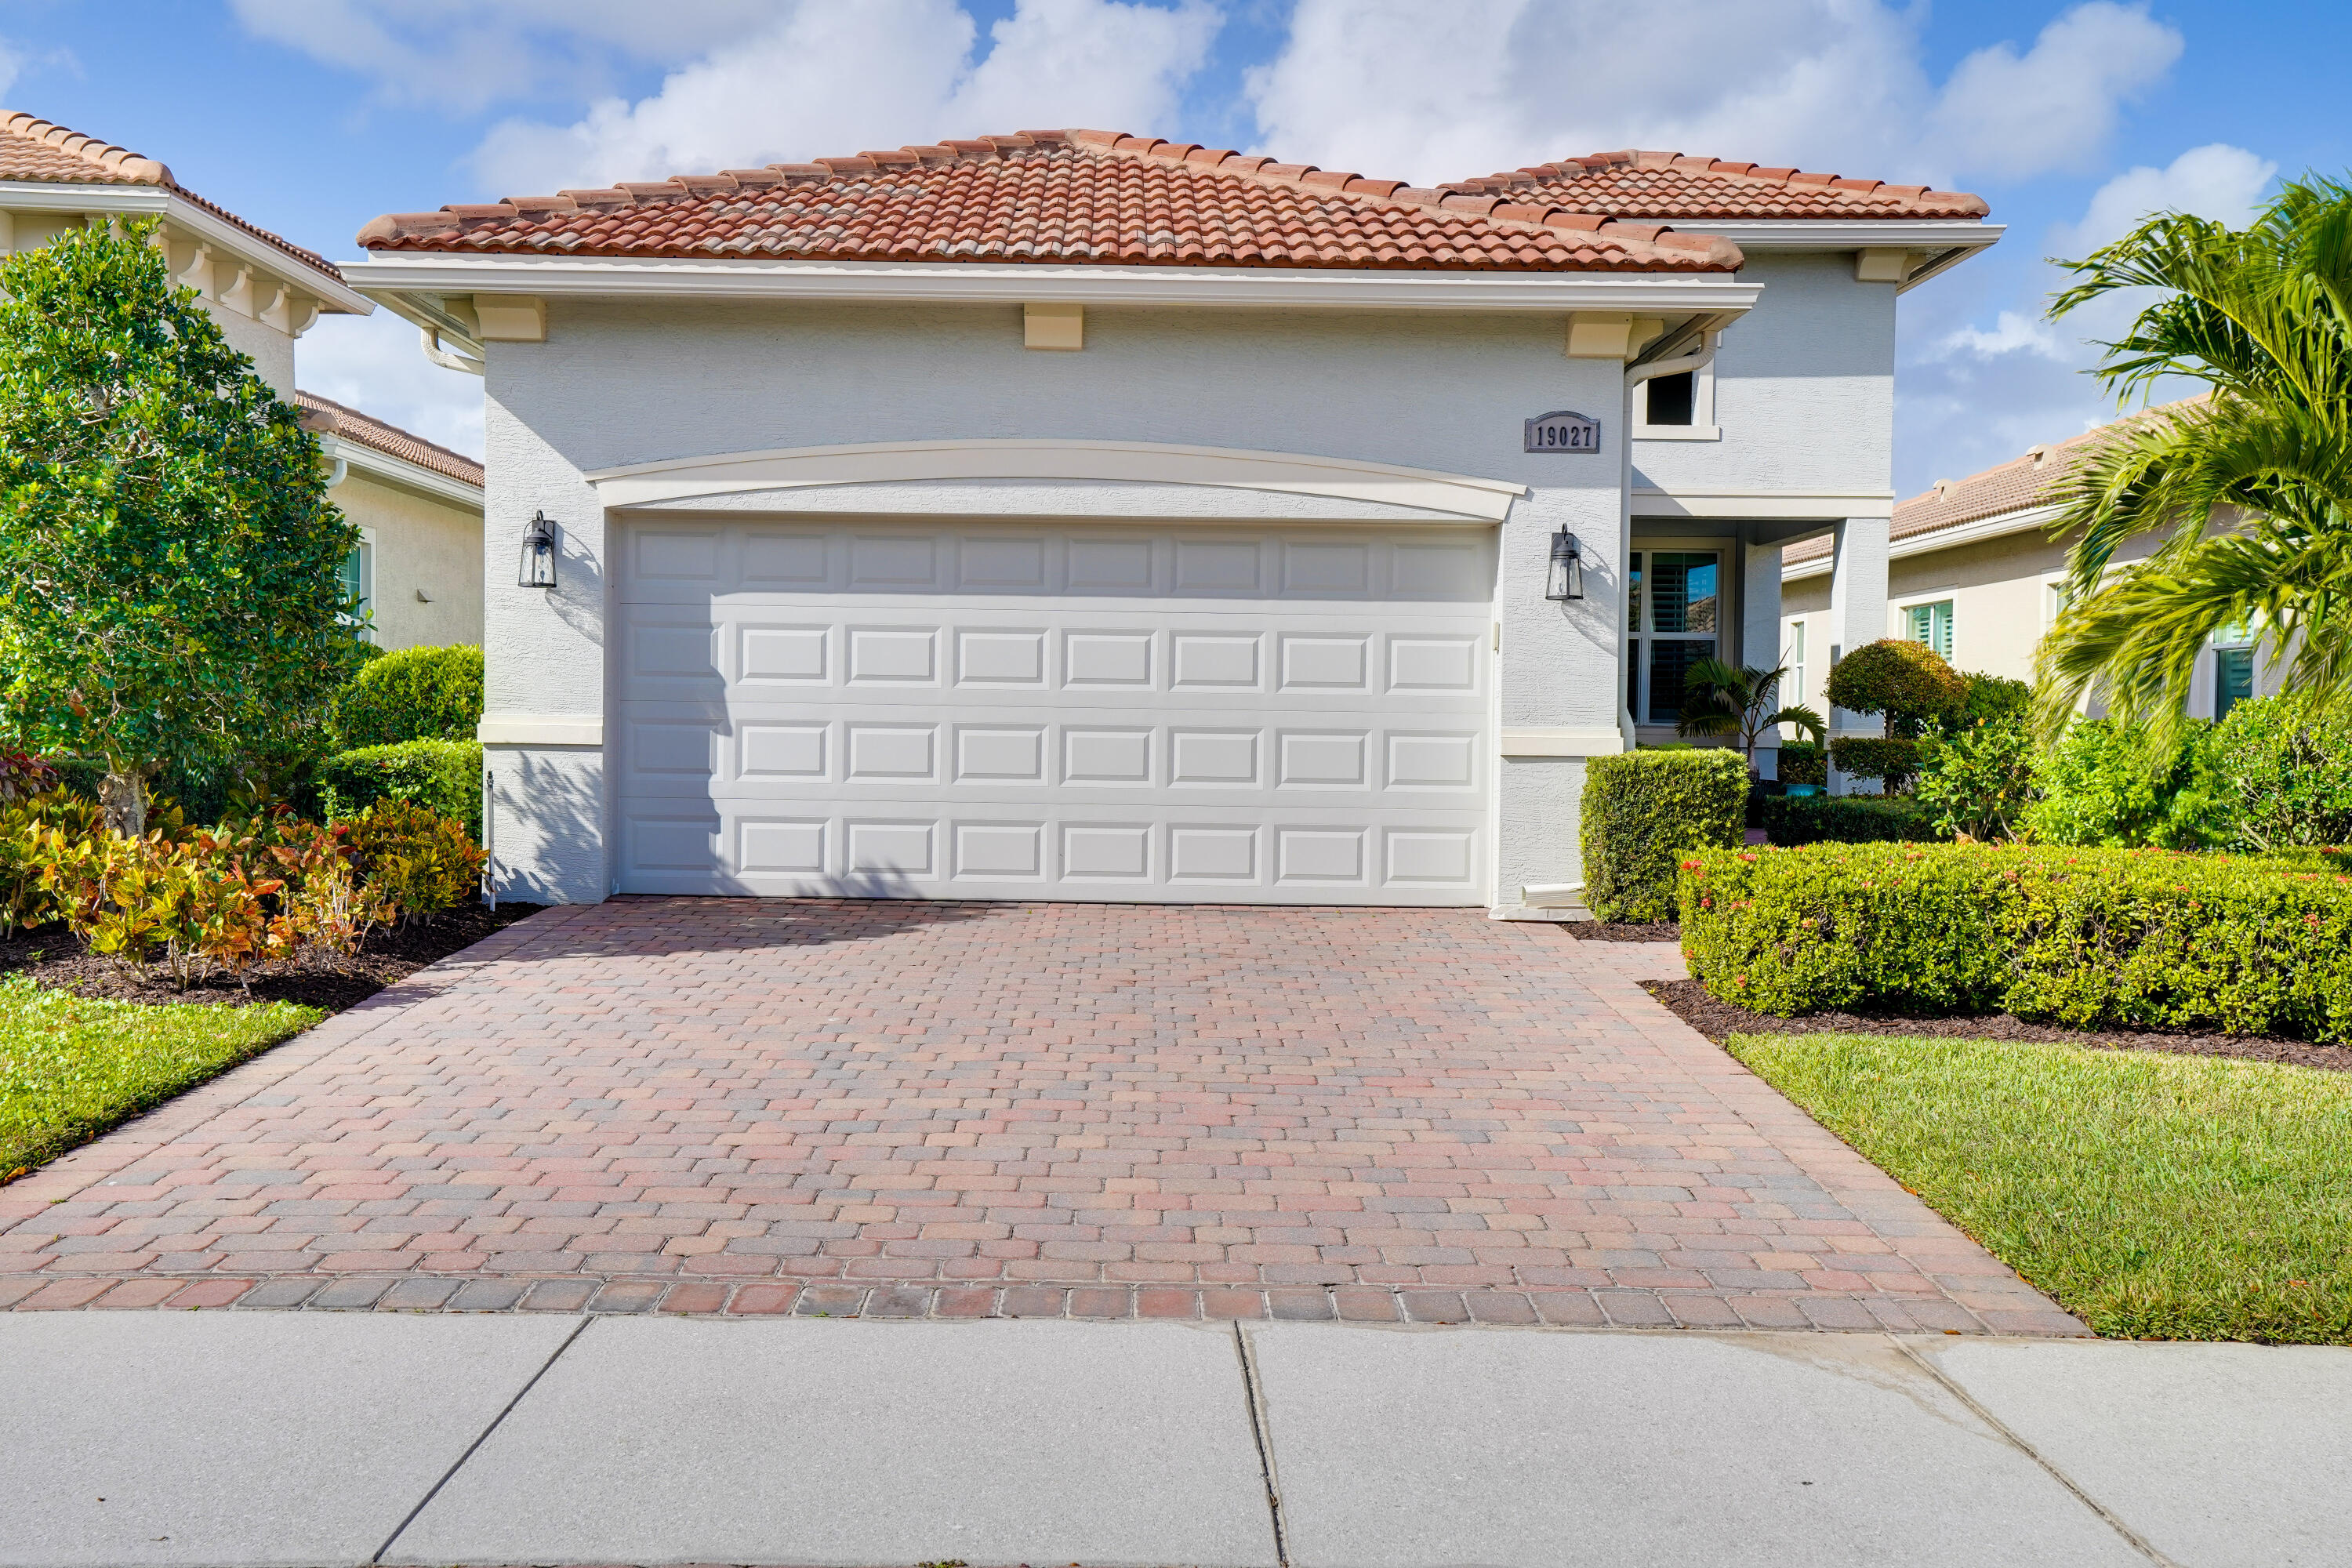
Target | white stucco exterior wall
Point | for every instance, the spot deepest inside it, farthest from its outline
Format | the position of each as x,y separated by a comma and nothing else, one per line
619,383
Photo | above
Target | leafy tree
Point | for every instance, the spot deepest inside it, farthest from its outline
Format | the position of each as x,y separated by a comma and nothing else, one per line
2249,486
1723,698
169,588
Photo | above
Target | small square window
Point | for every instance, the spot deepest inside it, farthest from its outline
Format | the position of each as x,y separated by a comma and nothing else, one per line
1673,399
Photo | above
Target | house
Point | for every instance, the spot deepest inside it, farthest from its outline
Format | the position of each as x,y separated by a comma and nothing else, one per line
1973,573
1077,515
419,506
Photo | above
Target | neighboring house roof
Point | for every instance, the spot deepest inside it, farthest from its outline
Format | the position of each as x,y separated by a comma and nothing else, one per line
331,418
2023,484
37,152
1638,185
1057,197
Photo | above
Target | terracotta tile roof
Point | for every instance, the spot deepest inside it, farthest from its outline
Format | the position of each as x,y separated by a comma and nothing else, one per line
36,152
1057,197
2019,484
329,417
1652,185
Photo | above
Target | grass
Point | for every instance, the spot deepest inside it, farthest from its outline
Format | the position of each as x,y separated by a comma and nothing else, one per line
71,1066
2154,1196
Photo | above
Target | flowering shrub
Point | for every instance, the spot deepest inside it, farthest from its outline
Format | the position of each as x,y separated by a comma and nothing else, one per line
2082,937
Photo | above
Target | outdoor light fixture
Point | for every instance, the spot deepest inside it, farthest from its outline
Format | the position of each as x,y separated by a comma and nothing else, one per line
1566,580
538,553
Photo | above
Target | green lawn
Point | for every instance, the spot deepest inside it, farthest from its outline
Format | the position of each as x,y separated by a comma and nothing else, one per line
71,1066
2156,1196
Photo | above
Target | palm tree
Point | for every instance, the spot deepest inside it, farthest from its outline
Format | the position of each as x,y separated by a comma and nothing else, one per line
1720,699
2249,485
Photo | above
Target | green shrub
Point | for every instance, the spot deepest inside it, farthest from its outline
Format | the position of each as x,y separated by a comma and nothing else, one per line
418,859
2099,787
1992,700
446,775
415,694
1896,763
2085,937
1803,763
1847,819
1641,811
1980,781
2281,774
1907,682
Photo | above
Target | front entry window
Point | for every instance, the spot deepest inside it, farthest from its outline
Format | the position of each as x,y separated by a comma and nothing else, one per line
1676,601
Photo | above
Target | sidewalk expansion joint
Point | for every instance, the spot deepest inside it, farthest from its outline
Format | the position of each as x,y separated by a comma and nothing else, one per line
1259,1430
481,1437
2132,1538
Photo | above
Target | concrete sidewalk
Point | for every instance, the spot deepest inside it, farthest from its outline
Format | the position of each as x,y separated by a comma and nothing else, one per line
318,1439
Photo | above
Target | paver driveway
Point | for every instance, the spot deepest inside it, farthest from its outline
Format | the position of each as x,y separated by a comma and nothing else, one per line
1097,1111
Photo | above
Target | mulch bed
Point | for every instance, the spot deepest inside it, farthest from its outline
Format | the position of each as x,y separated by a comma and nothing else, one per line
1718,1021
1626,931
52,957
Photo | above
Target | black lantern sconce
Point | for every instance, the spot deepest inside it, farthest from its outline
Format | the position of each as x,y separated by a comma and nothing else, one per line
1566,579
537,569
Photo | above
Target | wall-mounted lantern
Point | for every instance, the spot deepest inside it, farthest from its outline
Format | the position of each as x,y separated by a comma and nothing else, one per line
1566,579
537,570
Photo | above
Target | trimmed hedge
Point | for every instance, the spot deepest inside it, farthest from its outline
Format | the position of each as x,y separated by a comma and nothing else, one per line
1803,763
1848,819
1869,757
1643,811
446,775
413,694
2085,937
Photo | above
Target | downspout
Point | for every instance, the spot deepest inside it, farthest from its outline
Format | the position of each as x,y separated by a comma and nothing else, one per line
447,358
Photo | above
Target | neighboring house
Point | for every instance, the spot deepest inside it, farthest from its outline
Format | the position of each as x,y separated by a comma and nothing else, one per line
1071,515
419,506
1974,574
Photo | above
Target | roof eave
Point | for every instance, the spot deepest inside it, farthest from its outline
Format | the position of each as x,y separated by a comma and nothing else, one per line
411,284
1945,242
334,296
1949,536
393,469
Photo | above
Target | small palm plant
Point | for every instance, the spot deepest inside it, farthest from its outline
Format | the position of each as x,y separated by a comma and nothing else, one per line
1721,698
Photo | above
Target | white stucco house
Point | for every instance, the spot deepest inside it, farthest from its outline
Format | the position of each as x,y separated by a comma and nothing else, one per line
1076,515
419,506
1973,573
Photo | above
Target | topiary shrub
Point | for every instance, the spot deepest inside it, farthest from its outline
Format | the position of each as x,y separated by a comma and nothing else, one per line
1907,682
414,694
1848,819
2281,775
1643,811
1893,763
444,775
2084,937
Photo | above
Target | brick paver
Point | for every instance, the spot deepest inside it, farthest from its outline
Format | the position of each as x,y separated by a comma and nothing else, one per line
1086,1110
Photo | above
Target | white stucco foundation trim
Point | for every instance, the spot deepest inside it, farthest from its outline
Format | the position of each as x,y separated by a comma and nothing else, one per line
532,729
1551,741
1790,505
395,280
1465,496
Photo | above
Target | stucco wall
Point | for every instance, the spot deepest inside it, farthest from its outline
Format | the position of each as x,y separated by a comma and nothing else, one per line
1804,388
422,544
621,384
271,350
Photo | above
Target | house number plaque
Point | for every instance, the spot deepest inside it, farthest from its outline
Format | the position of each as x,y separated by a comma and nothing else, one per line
1563,431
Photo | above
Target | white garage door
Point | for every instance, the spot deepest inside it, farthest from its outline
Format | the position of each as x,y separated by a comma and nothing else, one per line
1189,715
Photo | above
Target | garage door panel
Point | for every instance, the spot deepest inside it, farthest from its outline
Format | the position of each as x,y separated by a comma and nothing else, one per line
1020,713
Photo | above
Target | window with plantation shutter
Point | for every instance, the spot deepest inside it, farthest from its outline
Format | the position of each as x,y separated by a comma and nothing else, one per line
1932,625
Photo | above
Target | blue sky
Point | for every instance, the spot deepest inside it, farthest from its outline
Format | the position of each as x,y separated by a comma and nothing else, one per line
311,116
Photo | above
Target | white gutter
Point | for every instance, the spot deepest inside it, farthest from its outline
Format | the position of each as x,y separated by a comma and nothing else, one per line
1942,242
155,201
347,454
394,278
2029,520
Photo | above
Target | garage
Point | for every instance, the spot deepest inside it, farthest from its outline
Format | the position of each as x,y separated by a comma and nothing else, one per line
1175,713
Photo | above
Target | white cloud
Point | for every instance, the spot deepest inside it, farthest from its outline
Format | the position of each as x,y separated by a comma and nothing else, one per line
1824,84
1971,396
467,54
373,363
824,79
